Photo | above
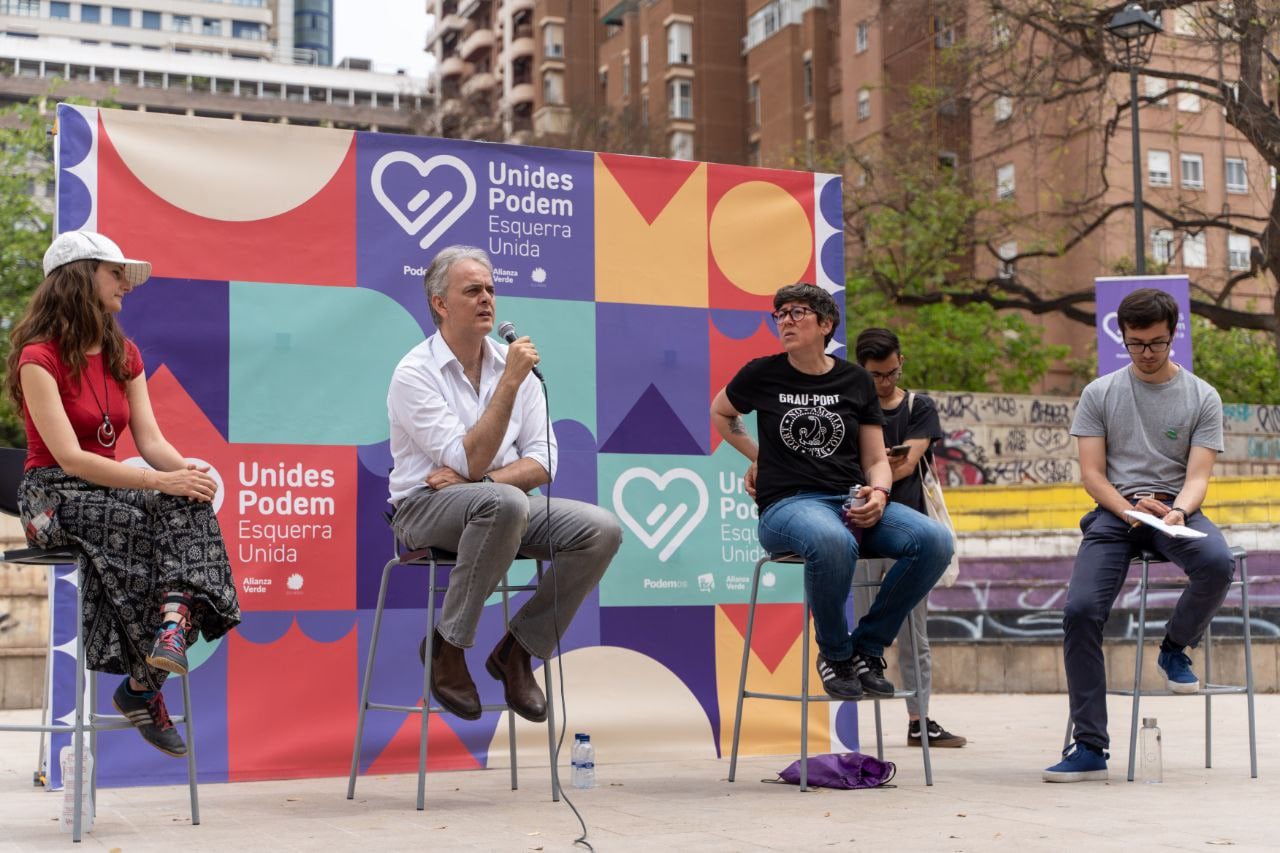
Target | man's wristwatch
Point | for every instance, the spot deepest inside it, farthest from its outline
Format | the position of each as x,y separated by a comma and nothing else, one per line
1181,510
486,479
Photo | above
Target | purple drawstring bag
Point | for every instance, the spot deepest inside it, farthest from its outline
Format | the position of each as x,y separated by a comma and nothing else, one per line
844,770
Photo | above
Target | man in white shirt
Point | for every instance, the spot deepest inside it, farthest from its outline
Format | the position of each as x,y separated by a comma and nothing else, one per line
471,440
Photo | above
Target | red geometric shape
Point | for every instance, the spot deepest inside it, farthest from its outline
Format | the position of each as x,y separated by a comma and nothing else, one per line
650,183
445,750
775,630
314,243
728,355
291,707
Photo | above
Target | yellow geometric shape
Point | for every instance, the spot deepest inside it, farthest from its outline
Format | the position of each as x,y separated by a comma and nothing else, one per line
660,264
768,727
237,171
760,237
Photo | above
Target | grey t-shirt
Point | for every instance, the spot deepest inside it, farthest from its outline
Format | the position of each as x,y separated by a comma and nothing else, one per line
1150,428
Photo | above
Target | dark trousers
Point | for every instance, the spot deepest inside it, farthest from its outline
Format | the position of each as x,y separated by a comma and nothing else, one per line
1096,579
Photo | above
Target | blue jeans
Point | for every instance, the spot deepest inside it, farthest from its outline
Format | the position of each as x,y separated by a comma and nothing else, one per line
811,524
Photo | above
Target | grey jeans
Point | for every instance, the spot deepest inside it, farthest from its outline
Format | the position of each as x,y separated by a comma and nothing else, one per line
486,525
917,621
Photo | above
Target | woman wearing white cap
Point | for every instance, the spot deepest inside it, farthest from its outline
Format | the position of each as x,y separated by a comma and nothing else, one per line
158,573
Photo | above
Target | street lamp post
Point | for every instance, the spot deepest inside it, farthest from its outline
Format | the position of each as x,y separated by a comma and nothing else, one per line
1132,31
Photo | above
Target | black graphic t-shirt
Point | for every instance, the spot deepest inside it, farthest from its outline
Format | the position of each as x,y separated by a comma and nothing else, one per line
808,424
920,420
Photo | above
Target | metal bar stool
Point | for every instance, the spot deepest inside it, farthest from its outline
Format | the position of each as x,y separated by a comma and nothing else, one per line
433,559
1208,689
87,720
803,697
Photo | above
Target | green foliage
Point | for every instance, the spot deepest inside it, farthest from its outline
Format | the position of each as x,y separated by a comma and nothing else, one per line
1240,363
26,161
949,347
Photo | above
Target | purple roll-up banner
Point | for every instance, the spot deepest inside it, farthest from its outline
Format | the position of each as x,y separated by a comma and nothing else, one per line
1108,293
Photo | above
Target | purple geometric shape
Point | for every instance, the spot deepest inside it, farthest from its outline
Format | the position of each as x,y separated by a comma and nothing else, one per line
376,458
576,469
263,627
832,256
326,626
847,725
75,136
685,645
643,347
202,370
74,202
652,426
740,325
829,204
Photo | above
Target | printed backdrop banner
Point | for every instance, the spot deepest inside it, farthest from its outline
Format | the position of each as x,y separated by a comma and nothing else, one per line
1109,292
288,266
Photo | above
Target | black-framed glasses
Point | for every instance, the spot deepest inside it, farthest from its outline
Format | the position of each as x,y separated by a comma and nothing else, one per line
1138,348
795,314
891,376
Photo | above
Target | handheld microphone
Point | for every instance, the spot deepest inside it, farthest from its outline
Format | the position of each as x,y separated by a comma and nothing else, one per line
508,332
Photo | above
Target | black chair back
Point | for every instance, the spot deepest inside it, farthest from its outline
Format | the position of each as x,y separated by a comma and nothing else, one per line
13,460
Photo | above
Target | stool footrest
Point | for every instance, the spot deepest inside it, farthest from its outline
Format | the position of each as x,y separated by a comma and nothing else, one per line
1205,690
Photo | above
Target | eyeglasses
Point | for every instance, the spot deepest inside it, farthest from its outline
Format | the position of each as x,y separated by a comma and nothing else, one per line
795,314
891,376
1137,347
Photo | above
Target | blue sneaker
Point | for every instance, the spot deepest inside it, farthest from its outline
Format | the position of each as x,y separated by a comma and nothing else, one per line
1177,669
1078,764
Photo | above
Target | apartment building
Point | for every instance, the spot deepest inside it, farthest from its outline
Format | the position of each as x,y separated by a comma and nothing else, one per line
236,59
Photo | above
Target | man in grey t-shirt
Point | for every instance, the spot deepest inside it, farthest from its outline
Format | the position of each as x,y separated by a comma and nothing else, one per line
1148,436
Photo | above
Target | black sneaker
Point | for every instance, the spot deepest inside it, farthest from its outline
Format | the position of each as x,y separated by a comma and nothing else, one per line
938,736
150,717
870,672
169,651
838,678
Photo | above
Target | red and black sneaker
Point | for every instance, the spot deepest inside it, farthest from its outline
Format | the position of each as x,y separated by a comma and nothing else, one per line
150,717
170,650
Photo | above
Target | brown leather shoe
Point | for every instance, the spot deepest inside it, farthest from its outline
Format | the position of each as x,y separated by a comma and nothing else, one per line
451,683
509,663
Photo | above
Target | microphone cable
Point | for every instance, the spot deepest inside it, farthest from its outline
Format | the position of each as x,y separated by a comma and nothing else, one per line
555,624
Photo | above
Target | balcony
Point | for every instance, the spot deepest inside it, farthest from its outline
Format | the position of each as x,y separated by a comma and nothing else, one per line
514,7
452,67
448,24
521,93
481,82
480,39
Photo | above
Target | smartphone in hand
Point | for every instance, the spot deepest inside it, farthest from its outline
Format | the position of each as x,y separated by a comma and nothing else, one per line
899,450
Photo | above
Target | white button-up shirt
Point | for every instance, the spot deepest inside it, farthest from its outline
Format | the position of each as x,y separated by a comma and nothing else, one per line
432,405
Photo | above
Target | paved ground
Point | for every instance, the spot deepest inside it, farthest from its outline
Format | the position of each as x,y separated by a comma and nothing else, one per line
987,796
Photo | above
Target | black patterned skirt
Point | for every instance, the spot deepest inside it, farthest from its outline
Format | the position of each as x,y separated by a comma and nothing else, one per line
140,544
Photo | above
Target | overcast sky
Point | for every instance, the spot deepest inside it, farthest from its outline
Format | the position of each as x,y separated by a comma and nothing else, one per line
390,32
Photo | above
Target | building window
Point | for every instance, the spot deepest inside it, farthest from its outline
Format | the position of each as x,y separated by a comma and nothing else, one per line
626,74
1193,251
680,44
60,11
944,35
90,14
753,153
864,104
808,81
553,41
121,17
181,23
1162,245
211,27
1237,177
644,59
553,87
644,109
753,103
151,20
1189,102
1007,252
247,30
1238,250
862,39
1004,181
1003,108
1183,23
682,145
1192,169
680,101
22,8
1158,170
1155,87
999,30
948,160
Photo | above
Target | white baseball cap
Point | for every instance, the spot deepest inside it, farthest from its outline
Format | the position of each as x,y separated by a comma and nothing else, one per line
92,246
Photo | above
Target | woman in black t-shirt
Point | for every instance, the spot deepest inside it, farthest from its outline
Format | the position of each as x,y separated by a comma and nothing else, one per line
820,427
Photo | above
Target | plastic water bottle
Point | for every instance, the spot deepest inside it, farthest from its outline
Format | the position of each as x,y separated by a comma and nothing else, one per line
66,758
1149,746
584,762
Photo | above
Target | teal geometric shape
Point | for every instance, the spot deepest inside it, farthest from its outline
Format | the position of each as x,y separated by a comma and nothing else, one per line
201,650
565,334
689,532
311,365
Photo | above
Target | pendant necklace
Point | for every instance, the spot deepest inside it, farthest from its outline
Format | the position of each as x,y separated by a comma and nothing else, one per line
106,432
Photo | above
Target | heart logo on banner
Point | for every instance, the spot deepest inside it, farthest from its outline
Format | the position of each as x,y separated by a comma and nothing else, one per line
422,207
661,520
